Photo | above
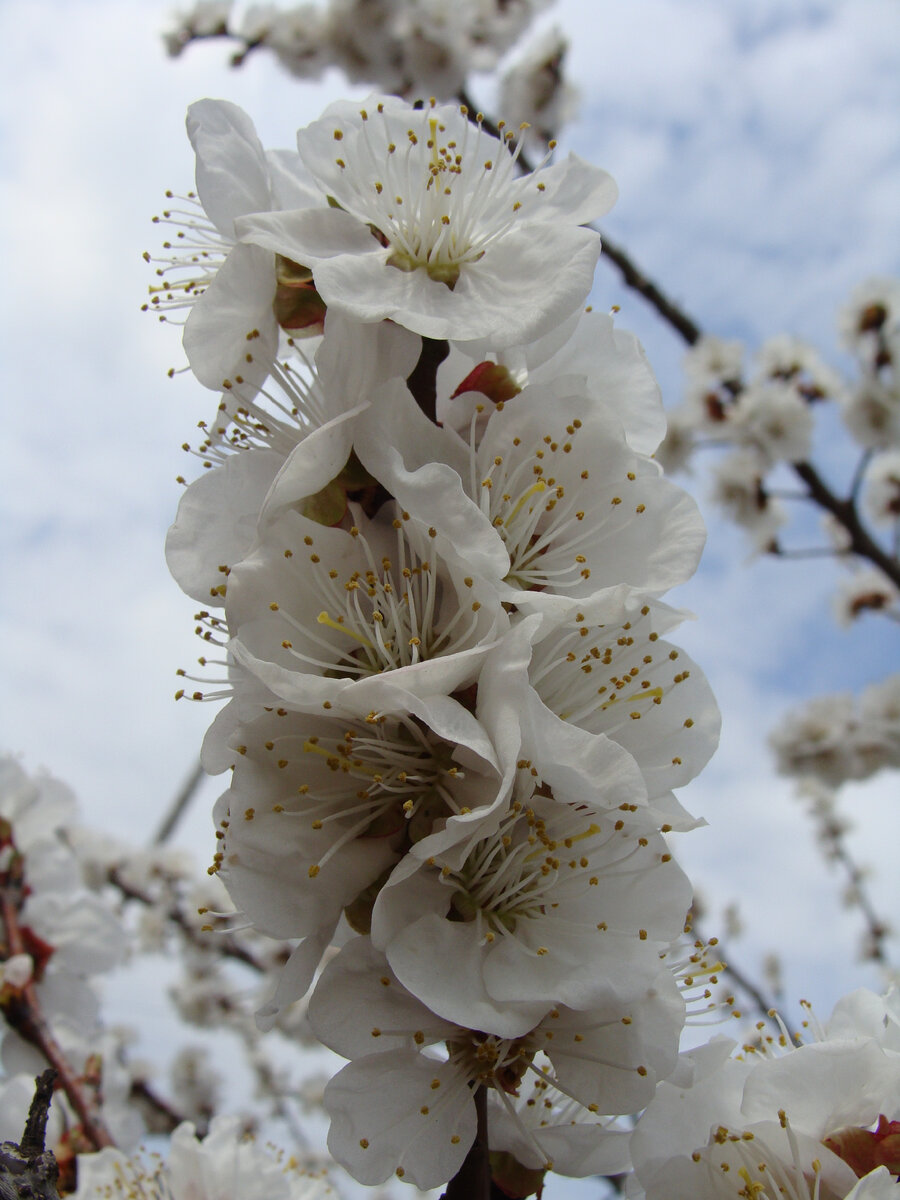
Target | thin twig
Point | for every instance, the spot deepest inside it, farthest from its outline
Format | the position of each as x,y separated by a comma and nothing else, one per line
225,943
809,552
179,805
845,512
165,1114
878,930
24,1014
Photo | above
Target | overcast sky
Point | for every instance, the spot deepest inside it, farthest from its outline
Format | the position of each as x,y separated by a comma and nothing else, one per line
757,149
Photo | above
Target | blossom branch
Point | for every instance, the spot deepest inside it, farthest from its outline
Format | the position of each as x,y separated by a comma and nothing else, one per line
24,1014
227,945
163,1116
831,834
878,930
844,511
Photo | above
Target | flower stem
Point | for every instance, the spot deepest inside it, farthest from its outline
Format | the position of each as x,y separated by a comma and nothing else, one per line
473,1179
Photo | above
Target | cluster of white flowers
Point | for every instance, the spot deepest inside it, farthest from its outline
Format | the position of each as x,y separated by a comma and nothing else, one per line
767,422
838,738
56,936
771,1122
226,1165
431,543
74,902
405,47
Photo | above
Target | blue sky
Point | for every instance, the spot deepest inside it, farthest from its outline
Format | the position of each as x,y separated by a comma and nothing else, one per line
757,149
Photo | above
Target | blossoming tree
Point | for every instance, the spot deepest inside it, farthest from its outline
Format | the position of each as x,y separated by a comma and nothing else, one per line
431,543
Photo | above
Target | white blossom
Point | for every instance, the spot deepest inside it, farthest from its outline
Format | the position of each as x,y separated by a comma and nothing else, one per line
549,501
787,358
617,376
738,488
224,1166
872,312
229,288
560,904
866,590
882,489
596,1064
769,1125
776,419
817,740
534,92
461,247
871,412
321,616
285,443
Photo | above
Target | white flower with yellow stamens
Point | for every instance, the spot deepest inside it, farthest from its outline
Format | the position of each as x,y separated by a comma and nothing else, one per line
562,904
432,227
320,808
326,616
617,376
606,669
777,1122
287,441
596,1064
227,286
226,1165
547,500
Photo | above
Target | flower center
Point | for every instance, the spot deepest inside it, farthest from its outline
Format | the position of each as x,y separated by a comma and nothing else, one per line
385,614
438,189
520,873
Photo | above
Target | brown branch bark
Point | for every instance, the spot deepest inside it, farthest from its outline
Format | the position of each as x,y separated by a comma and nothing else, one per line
28,1171
24,1014
162,1116
845,512
473,1179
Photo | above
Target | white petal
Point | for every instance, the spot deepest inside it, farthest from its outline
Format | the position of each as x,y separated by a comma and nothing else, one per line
390,1114
233,318
232,176
216,522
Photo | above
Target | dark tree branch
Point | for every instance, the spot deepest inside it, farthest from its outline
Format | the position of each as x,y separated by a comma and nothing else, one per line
845,512
24,1014
473,1179
28,1171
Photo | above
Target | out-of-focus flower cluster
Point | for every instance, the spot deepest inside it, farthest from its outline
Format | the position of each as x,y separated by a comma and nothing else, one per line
767,422
409,48
56,937
74,903
840,738
226,1165
430,543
